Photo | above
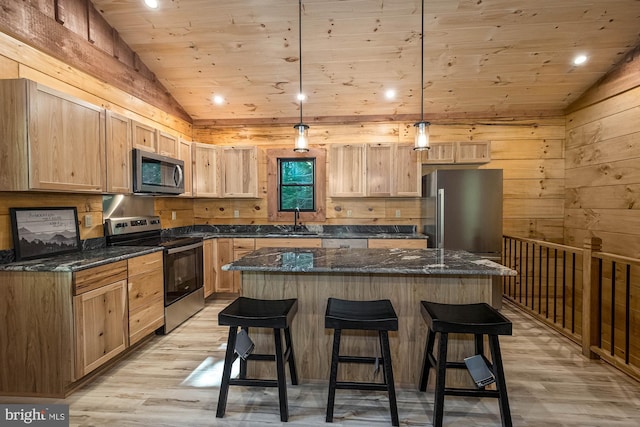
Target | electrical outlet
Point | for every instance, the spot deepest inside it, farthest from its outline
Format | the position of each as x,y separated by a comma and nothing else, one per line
236,213
88,221
173,215
349,213
398,213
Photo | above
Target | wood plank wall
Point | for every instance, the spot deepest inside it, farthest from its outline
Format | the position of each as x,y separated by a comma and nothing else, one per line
530,152
18,60
602,174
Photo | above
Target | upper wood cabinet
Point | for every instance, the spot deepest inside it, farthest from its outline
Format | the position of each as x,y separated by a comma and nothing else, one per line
473,152
380,174
407,172
458,152
167,144
118,153
374,170
206,170
49,140
347,170
440,152
144,137
239,171
185,154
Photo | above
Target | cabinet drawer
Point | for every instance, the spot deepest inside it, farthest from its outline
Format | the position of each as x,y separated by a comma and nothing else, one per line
398,243
284,242
94,278
144,263
344,243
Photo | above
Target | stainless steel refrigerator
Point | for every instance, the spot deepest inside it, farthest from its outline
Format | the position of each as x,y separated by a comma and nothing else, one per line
463,210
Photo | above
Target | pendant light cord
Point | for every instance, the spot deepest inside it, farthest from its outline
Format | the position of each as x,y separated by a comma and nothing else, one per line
300,53
421,67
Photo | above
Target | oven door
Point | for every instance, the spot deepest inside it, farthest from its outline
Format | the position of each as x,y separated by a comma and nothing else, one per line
183,272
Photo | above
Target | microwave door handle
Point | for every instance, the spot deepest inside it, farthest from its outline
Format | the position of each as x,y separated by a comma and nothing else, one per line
178,171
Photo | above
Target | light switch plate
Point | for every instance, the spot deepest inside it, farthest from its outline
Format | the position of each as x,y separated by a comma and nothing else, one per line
236,213
173,215
88,221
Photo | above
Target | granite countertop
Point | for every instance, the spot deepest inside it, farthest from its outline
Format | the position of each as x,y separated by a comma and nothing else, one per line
80,260
377,261
308,231
95,256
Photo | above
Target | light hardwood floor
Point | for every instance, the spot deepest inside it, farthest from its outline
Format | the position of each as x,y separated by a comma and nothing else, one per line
173,381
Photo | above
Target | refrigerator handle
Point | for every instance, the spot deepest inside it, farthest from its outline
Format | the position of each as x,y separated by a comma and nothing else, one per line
441,218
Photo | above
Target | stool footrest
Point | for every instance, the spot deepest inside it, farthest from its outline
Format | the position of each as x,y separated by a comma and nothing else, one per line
471,392
359,359
350,385
253,382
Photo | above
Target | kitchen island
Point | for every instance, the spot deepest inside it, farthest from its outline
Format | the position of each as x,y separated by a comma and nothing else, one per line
405,276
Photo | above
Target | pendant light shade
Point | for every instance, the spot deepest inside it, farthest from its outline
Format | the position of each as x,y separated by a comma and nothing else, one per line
422,136
301,143
422,127
302,138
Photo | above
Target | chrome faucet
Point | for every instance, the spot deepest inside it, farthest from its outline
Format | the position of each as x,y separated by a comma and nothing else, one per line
296,218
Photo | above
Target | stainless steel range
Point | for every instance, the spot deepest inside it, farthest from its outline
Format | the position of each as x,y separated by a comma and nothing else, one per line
183,271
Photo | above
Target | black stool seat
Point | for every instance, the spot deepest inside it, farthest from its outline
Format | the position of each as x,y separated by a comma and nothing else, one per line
477,319
249,312
363,315
369,316
274,314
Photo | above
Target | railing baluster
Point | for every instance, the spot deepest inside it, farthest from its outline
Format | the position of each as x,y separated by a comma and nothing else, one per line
555,284
533,276
564,288
627,314
573,293
526,274
546,312
520,286
613,307
540,280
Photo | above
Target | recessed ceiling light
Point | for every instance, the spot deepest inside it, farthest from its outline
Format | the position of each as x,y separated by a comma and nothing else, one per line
218,99
301,97
580,59
390,94
153,4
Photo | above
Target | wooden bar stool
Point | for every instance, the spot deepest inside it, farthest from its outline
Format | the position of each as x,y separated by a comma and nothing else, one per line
477,319
256,313
361,315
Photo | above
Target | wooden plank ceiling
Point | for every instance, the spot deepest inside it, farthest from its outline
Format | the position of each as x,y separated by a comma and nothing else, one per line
483,58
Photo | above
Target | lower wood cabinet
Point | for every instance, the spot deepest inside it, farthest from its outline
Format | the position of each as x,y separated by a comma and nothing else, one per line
224,255
101,326
146,295
209,256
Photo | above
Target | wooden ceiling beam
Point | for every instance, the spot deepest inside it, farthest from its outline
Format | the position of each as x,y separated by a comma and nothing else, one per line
31,26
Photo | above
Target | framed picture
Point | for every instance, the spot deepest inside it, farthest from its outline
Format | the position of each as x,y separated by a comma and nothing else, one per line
42,232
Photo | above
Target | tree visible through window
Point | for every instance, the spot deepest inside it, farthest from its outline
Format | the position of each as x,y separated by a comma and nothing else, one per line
296,178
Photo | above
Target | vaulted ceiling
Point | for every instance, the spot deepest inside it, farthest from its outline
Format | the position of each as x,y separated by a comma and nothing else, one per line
482,58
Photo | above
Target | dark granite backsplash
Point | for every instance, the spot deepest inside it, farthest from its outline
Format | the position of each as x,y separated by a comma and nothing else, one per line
320,229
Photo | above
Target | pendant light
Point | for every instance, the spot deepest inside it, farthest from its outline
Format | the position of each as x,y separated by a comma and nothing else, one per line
301,143
422,127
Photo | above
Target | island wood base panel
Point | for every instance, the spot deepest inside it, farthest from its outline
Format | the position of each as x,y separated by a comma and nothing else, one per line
312,342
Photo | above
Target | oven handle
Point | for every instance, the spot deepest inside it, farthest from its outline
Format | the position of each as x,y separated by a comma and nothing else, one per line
184,248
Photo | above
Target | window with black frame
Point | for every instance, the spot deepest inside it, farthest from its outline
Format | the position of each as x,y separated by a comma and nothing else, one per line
296,184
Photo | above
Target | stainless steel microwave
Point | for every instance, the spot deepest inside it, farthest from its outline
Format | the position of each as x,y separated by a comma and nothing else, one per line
157,174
